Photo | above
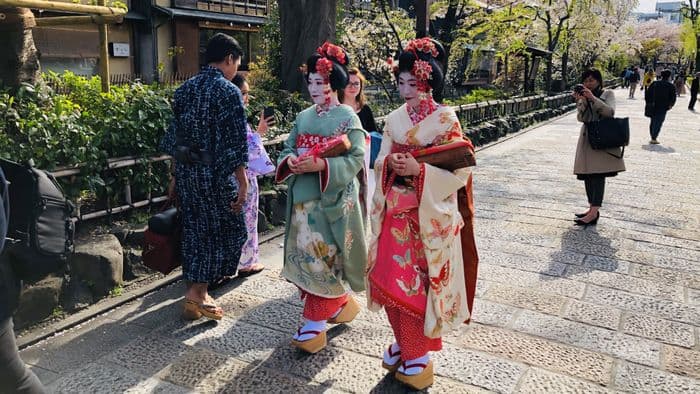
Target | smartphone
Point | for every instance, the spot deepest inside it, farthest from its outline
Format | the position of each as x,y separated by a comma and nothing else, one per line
268,111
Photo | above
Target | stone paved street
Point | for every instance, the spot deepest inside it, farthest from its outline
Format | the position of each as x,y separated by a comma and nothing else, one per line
559,308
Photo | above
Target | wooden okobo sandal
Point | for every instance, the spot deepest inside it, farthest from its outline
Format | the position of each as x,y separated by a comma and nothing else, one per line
419,381
348,313
313,345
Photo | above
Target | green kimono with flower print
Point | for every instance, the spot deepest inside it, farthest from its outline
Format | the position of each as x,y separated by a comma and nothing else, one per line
325,251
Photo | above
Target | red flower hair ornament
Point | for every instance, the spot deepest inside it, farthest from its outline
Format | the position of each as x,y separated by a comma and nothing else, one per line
324,67
425,45
333,51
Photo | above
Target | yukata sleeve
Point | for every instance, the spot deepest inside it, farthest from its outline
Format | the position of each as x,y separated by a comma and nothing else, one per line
231,142
289,148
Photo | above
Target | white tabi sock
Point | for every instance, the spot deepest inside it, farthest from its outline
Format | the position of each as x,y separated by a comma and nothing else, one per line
414,370
396,351
310,325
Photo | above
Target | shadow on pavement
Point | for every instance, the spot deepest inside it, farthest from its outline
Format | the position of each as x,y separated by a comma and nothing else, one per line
658,148
598,251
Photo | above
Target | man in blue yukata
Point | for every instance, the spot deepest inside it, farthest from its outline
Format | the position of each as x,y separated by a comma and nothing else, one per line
207,138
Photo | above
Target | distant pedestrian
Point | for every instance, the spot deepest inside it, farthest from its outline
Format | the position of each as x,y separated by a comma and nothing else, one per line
660,98
593,166
208,140
679,84
354,96
625,75
694,91
634,81
15,377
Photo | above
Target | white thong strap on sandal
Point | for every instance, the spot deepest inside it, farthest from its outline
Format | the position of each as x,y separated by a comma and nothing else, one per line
310,330
415,366
392,355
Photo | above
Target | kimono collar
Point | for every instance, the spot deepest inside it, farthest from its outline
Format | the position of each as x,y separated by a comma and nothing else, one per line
425,108
323,109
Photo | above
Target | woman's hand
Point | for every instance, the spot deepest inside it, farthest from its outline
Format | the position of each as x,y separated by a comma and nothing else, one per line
292,163
406,165
587,94
265,123
310,164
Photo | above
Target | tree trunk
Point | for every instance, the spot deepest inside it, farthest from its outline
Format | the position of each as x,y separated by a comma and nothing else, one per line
548,75
18,56
697,53
304,26
565,69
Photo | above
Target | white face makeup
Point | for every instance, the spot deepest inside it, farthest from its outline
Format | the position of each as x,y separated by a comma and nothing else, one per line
353,88
319,90
408,89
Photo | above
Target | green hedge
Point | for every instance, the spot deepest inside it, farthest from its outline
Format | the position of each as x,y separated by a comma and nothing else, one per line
66,120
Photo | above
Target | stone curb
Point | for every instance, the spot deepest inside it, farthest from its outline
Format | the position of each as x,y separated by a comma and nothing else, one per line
108,304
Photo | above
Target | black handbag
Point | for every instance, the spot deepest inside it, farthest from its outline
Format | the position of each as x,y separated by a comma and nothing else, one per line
608,133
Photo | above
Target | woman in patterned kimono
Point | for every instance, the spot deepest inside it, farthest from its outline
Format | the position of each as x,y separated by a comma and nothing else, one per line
258,164
325,252
208,140
422,259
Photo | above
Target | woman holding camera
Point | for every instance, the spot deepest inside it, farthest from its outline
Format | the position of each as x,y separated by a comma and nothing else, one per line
593,166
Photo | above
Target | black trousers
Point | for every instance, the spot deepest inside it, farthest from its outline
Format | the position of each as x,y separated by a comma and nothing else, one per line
595,189
693,99
15,377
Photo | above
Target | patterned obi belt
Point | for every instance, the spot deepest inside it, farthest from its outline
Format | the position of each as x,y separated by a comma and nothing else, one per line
305,142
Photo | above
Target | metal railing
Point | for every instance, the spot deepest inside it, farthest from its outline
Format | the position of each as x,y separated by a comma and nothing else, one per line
469,114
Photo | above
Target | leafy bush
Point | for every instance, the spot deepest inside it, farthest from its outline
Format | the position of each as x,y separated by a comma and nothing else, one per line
83,126
477,96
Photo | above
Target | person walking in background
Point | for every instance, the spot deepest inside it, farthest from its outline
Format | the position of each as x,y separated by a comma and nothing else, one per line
634,81
660,98
207,138
679,84
626,73
694,87
259,163
423,259
325,251
590,165
354,96
15,377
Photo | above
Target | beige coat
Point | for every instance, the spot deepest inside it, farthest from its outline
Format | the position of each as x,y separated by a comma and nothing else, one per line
588,160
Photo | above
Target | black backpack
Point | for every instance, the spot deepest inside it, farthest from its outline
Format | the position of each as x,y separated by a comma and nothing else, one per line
40,227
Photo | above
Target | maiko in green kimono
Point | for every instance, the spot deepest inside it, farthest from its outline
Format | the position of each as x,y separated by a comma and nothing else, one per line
325,252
